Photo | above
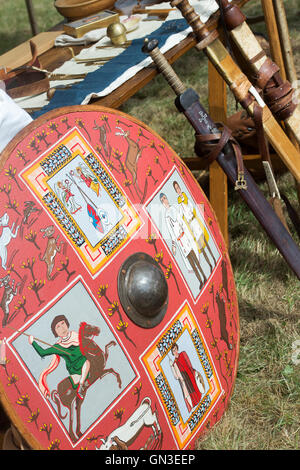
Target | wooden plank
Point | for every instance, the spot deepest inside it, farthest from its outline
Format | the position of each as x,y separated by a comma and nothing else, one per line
218,187
21,54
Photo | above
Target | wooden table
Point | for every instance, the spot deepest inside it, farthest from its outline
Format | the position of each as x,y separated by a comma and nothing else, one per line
57,56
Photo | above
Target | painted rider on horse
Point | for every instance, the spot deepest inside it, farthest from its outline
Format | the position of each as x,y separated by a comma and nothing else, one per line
68,348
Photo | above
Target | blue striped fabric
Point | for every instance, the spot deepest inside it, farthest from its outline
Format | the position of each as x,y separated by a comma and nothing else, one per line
98,80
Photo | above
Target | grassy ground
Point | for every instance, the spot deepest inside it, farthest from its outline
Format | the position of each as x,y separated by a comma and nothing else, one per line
265,408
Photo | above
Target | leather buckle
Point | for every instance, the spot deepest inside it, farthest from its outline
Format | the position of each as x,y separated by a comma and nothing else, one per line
240,183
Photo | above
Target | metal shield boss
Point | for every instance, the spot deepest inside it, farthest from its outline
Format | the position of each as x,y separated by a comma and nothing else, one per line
119,313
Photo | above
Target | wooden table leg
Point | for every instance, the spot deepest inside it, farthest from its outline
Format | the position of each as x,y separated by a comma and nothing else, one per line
218,189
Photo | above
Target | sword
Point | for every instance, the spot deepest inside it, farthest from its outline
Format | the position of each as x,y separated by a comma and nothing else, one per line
244,92
225,153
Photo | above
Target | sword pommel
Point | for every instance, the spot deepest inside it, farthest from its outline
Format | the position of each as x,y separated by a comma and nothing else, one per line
149,45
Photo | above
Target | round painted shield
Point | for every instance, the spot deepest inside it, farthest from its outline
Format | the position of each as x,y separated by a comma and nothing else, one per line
119,314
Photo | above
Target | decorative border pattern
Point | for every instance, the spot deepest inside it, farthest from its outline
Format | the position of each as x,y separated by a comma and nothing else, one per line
115,239
56,160
105,179
168,399
168,339
62,216
37,175
199,413
183,424
202,353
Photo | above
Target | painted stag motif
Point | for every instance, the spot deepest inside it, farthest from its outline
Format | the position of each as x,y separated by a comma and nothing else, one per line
134,152
124,436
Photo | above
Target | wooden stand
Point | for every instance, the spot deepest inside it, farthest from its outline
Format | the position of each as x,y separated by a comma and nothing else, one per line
218,111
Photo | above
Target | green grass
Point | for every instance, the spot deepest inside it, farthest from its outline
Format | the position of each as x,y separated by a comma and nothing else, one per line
264,412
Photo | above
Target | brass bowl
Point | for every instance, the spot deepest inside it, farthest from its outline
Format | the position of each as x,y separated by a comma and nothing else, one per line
75,10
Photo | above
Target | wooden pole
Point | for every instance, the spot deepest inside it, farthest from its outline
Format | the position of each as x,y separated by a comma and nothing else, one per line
285,41
37,339
288,58
272,29
32,20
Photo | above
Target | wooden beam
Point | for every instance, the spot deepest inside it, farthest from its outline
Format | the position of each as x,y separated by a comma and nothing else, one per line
218,188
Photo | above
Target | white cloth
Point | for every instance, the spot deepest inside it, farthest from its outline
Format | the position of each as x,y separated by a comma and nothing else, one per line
12,119
96,34
89,37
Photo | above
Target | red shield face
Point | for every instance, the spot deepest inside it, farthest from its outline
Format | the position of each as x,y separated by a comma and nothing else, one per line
119,315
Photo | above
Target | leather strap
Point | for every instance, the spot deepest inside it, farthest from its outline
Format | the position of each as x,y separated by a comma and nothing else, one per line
278,95
265,73
280,98
245,102
210,146
257,57
207,40
233,16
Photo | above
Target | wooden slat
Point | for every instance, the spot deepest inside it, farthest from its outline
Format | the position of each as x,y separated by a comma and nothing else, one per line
21,54
218,187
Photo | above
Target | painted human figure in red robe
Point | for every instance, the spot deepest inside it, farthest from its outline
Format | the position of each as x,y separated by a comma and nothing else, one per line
90,181
187,376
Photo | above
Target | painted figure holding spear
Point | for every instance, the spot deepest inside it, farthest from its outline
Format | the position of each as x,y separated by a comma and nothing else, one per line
67,347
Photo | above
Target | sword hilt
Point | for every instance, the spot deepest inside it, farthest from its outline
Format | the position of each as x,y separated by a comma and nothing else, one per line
151,48
202,34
